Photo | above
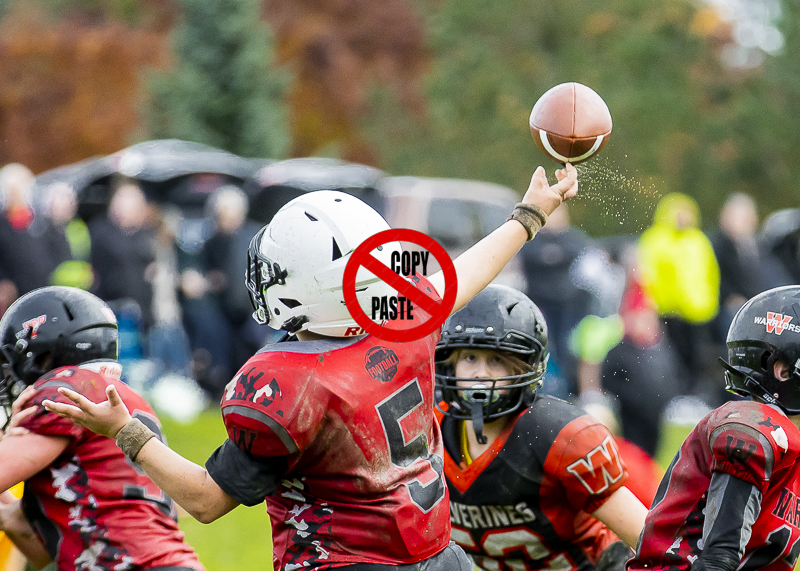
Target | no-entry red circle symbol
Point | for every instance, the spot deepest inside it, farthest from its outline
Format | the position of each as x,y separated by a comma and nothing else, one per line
438,311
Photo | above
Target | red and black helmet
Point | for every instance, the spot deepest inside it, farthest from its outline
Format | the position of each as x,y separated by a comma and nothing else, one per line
52,327
766,329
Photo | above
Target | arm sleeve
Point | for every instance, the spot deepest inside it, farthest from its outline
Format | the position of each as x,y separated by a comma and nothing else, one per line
245,479
732,507
585,460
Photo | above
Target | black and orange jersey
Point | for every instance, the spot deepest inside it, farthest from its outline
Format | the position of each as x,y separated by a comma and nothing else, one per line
526,502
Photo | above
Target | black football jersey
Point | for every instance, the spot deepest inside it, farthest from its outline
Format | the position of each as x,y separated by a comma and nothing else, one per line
524,504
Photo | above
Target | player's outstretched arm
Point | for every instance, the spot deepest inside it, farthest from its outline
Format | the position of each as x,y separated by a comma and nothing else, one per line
624,514
478,266
184,481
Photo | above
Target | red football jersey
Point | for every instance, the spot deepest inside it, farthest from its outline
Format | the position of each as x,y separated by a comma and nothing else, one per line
354,420
93,508
524,503
750,441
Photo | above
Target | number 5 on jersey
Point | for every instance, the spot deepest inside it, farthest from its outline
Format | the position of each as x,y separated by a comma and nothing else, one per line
401,404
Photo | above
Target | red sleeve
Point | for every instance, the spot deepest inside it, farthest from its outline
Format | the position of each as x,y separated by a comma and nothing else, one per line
744,452
585,459
272,407
645,471
48,423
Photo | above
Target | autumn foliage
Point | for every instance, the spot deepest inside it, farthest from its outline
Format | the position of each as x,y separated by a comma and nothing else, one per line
70,87
338,50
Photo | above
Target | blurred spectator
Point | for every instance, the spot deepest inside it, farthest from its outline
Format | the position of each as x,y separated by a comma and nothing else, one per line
227,208
123,254
66,236
168,342
216,307
25,263
600,330
680,272
742,271
546,262
779,241
643,372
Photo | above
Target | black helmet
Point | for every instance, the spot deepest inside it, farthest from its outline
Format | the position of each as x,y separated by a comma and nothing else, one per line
499,318
49,328
765,330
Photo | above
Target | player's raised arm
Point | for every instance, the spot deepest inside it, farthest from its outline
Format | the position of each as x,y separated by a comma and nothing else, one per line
184,481
479,265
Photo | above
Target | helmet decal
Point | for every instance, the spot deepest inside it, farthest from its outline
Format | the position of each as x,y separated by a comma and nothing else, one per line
31,327
776,322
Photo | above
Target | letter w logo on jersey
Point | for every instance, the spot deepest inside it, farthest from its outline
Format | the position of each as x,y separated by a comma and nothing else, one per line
600,468
777,322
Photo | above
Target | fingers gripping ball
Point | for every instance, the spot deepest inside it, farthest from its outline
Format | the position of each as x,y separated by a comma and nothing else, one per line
570,123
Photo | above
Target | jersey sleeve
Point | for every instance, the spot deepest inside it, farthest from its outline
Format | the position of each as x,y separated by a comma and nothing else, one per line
584,458
245,479
49,423
273,407
744,452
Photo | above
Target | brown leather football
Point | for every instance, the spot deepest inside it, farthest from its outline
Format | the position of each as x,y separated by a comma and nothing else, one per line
570,123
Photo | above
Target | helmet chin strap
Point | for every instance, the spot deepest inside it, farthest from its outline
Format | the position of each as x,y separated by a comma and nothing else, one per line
478,397
477,421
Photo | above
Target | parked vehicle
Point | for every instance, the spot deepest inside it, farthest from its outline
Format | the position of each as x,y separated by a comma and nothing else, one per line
456,213
277,183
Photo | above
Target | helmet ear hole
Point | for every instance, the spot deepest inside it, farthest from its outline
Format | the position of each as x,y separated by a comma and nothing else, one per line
766,361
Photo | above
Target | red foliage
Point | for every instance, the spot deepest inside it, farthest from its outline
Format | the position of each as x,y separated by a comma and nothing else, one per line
337,50
70,88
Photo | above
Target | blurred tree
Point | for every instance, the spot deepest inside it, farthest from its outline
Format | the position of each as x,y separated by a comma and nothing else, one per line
70,86
682,120
339,50
222,89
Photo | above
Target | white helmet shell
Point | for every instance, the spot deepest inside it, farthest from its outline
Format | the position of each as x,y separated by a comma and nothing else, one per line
296,263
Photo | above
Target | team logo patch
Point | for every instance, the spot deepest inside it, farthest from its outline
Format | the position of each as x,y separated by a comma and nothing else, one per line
777,323
381,364
250,386
599,468
32,326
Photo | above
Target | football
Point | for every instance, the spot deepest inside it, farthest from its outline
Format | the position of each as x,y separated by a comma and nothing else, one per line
570,123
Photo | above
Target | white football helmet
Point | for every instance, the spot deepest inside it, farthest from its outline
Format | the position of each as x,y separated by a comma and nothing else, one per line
295,264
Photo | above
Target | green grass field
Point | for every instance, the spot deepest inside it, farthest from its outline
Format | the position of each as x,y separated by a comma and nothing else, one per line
239,541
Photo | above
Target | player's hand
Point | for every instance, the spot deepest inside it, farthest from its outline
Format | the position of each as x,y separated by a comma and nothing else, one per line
106,418
549,197
20,410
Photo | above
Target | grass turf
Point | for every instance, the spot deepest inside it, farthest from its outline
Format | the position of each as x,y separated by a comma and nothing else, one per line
240,540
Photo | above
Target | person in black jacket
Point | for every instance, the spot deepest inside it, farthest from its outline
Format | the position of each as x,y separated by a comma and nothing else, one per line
741,266
123,251
25,261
